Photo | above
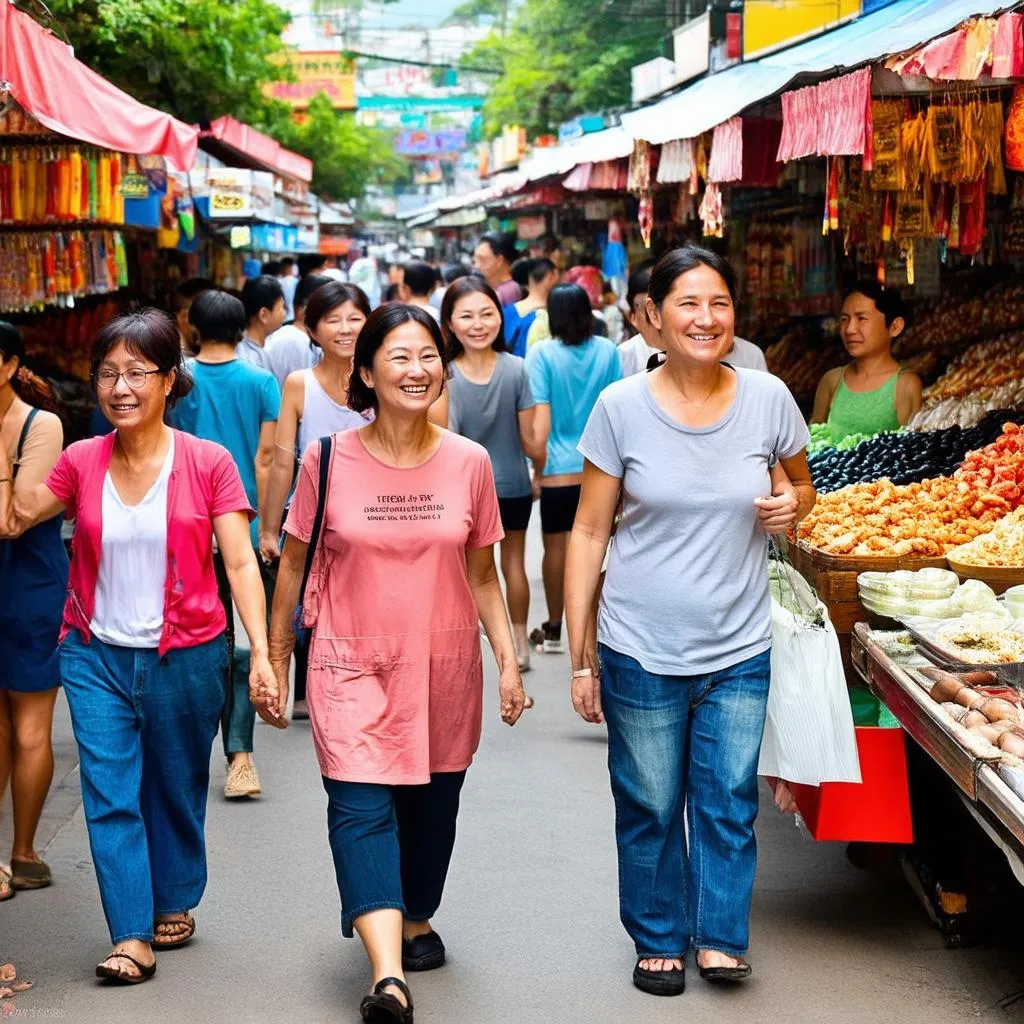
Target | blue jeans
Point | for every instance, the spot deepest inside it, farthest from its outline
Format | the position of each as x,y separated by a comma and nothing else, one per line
675,743
145,726
392,844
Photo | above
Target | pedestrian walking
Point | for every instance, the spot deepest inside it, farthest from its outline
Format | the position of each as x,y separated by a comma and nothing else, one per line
488,400
33,581
143,659
409,519
236,405
684,628
419,279
263,299
289,347
493,258
314,404
567,373
645,345
519,317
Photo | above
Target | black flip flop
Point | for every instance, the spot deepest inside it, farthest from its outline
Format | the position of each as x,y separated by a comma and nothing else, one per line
728,975
111,974
659,983
382,1007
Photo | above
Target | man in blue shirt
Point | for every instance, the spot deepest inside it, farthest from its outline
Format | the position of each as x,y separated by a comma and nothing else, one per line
235,404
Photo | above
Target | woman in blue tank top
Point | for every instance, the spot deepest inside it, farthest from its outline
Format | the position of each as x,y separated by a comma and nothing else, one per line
33,581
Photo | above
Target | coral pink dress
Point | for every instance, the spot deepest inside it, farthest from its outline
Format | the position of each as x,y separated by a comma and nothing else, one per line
395,684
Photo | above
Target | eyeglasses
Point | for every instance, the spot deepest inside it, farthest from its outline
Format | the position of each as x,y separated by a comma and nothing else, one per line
134,378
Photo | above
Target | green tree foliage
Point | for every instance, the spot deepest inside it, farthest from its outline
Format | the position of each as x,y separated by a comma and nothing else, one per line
561,58
197,59
200,59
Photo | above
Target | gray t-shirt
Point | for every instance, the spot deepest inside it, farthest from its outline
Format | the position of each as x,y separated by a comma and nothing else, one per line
489,414
687,584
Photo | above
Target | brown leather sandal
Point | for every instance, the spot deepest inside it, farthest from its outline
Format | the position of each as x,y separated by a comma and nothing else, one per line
177,939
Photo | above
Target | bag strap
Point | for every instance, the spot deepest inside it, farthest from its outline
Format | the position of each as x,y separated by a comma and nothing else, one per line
326,448
23,438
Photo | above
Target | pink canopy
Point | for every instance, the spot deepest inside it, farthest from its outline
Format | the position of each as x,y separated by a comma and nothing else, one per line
67,97
242,140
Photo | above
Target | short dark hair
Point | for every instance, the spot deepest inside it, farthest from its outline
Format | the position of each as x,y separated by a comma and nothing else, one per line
263,292
149,334
382,321
503,245
677,262
459,290
540,268
305,288
639,282
287,263
218,316
419,277
888,301
548,243
271,267
330,296
453,271
188,290
569,314
520,271
311,261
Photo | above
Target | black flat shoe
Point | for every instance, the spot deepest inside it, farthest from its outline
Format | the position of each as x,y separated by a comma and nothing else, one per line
726,974
659,983
382,1007
423,953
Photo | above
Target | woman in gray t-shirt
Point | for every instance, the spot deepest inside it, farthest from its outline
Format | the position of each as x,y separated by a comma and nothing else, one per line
684,627
488,400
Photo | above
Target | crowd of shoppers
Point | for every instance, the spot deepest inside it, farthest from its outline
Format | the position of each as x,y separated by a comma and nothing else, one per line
379,451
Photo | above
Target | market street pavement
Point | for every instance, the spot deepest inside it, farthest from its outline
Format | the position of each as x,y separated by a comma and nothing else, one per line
530,915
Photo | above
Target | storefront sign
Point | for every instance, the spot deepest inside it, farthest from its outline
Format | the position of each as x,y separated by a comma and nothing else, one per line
135,186
652,77
230,193
321,71
430,143
691,45
771,26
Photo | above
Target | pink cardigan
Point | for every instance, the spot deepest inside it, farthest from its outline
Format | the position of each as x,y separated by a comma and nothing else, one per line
204,483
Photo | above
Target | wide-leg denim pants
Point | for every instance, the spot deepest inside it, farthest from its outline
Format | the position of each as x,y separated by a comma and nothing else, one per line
145,726
685,744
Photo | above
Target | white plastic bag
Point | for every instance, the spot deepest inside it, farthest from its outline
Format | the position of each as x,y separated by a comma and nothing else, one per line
809,736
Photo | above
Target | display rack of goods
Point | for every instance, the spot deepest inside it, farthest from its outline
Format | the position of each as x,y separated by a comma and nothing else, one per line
904,457
999,466
923,519
988,375
989,714
43,185
801,360
62,338
43,269
974,640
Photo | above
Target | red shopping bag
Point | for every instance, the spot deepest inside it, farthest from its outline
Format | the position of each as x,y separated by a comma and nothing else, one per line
874,810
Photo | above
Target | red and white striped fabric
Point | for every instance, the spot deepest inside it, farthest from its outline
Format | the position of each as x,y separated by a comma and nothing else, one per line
830,119
726,163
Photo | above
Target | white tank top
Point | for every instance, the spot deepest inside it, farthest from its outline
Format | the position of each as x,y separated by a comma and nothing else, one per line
321,415
129,608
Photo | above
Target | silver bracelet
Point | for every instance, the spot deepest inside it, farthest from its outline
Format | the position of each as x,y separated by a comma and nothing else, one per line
582,673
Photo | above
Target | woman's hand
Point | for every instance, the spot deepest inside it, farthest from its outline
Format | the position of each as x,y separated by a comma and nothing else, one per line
782,794
266,692
270,547
512,695
586,693
778,513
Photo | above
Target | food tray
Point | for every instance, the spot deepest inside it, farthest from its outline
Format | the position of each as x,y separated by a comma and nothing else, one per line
920,629
998,578
867,563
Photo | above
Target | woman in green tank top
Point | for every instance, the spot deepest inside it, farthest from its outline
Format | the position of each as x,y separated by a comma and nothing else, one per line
874,392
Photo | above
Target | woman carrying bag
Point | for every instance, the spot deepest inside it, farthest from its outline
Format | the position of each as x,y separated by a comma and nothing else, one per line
684,629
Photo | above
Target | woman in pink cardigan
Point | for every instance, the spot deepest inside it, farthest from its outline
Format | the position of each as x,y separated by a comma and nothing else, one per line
143,658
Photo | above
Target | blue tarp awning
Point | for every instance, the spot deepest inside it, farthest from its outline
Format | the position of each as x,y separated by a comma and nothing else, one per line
902,26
